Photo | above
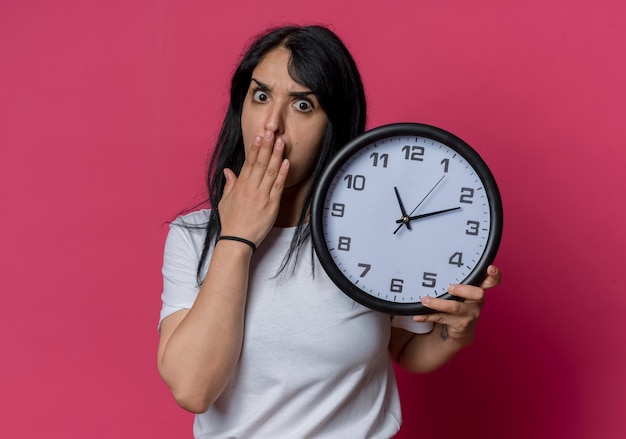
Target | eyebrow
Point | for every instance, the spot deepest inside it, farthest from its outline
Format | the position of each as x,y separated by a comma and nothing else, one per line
297,94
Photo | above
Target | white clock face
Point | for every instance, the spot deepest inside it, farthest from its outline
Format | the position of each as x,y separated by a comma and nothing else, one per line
404,217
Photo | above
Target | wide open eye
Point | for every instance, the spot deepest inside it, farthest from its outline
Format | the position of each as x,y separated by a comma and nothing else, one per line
303,105
260,96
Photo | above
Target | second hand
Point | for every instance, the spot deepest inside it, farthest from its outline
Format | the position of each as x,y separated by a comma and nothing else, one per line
420,203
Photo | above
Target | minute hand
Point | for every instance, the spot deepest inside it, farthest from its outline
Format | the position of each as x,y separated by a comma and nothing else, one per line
424,215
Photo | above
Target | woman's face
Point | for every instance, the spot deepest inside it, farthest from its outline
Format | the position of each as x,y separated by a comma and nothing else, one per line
277,103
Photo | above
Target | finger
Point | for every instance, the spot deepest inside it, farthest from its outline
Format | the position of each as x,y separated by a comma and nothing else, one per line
441,318
493,278
432,318
449,312
442,305
274,165
279,183
251,158
456,326
467,292
260,164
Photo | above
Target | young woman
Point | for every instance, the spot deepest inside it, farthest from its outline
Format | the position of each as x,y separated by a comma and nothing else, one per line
261,343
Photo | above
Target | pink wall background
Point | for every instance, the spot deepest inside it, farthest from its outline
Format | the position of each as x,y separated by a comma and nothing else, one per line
108,109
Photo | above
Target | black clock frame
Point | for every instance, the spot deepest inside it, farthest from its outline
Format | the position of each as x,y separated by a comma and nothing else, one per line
366,139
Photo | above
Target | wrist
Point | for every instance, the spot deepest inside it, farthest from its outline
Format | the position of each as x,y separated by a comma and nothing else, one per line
239,240
234,248
459,338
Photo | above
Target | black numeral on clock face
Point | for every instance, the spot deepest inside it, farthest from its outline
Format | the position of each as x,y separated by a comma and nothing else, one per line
338,209
472,228
366,268
467,193
446,165
356,182
429,280
396,285
415,153
344,243
379,158
456,259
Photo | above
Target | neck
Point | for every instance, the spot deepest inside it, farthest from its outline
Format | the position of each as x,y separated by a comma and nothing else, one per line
290,205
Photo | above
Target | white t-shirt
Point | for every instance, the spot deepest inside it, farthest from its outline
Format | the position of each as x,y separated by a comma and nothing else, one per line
314,363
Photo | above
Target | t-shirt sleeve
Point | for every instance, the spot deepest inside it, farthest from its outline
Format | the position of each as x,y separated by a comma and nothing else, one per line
406,322
183,247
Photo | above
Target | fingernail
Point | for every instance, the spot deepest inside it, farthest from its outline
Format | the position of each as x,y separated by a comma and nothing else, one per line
268,135
279,143
257,140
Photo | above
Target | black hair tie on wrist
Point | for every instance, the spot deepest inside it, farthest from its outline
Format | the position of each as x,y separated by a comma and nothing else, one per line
238,239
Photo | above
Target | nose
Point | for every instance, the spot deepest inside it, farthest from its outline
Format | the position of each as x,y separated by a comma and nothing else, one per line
275,120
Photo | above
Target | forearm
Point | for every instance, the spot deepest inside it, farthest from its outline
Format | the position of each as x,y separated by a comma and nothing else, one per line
423,353
198,357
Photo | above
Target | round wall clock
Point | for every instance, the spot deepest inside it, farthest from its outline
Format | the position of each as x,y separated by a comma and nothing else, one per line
403,211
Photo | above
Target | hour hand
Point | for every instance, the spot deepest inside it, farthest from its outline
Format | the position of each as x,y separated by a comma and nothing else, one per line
405,218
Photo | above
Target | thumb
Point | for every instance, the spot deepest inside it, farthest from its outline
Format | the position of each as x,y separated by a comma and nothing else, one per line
493,278
231,178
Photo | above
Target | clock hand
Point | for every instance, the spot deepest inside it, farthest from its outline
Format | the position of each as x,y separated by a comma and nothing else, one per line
405,218
424,215
423,199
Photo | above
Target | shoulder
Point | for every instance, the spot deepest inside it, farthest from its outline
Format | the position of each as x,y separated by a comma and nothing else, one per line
198,218
187,233
183,249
